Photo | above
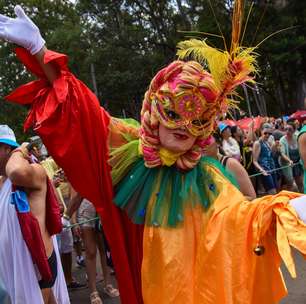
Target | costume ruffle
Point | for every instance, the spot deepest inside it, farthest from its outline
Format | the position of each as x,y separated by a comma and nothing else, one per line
168,190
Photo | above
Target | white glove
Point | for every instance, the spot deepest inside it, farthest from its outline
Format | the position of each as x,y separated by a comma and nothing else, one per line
299,204
21,31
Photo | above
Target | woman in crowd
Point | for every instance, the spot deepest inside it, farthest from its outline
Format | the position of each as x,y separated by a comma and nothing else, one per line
278,156
245,141
289,147
233,166
229,145
93,238
263,159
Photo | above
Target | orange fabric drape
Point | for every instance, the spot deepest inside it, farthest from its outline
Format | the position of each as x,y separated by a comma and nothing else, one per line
210,259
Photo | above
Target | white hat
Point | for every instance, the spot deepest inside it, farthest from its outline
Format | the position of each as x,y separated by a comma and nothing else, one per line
7,136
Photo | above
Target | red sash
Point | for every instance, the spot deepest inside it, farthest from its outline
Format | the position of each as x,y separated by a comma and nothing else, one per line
31,232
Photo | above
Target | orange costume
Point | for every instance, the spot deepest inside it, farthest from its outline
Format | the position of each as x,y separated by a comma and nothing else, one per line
209,256
179,229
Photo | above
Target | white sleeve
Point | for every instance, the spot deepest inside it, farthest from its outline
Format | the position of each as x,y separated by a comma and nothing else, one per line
299,204
231,149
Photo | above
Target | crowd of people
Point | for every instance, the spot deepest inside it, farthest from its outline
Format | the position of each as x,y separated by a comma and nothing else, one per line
270,155
173,218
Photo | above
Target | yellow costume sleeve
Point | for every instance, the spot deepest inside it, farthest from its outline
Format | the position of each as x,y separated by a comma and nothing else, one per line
210,258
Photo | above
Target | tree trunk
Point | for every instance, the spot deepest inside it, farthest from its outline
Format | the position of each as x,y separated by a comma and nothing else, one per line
280,94
254,91
300,94
245,90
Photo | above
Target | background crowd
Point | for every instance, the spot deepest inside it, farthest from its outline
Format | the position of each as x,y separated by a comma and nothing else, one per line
267,148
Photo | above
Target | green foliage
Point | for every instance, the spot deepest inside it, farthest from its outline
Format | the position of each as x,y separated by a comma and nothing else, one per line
123,43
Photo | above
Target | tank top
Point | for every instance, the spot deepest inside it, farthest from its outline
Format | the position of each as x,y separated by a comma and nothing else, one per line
265,158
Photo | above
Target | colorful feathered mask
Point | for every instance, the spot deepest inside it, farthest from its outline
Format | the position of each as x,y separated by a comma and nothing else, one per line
184,94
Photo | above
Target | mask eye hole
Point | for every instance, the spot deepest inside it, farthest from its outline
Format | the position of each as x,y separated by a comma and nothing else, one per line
172,115
199,122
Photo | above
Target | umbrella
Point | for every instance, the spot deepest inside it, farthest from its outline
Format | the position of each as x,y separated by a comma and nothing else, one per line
300,115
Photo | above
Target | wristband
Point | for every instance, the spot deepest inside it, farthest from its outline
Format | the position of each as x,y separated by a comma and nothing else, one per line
24,154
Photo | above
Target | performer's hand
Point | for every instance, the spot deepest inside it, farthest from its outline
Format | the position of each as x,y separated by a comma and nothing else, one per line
21,31
299,205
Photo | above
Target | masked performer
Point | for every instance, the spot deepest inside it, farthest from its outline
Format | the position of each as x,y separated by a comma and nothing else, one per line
179,229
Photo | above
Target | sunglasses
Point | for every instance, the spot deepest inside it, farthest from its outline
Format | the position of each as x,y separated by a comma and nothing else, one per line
267,133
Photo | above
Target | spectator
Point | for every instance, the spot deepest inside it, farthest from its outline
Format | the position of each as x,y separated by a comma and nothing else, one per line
302,149
289,147
277,157
298,125
238,135
245,141
279,129
93,238
65,238
229,145
271,128
39,214
234,167
263,159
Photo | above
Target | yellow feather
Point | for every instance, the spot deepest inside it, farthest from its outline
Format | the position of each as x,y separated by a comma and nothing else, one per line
228,69
217,61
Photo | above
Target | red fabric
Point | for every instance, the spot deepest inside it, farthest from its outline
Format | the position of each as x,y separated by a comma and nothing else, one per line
30,230
74,128
31,234
244,123
53,213
300,115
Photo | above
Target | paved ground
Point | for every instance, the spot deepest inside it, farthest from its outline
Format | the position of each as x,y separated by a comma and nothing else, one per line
82,296
296,288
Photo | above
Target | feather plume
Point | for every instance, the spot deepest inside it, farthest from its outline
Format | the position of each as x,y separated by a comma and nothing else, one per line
217,61
228,69
236,24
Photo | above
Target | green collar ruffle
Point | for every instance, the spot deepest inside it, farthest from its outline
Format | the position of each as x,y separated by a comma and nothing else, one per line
159,196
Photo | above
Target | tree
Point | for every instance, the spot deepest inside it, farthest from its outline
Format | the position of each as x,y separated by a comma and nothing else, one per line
117,46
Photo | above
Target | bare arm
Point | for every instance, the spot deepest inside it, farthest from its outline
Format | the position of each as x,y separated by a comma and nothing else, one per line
49,69
74,203
283,153
22,173
242,178
285,158
255,154
302,148
250,136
